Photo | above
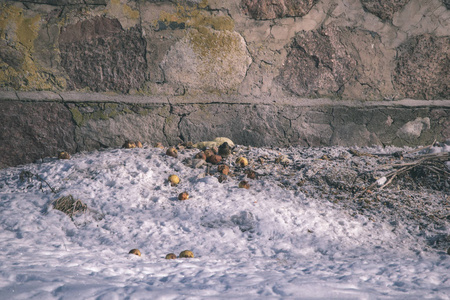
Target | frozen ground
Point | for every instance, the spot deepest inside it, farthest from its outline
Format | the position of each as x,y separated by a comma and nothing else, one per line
302,230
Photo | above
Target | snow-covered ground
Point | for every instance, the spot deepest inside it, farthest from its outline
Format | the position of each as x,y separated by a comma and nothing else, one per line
265,242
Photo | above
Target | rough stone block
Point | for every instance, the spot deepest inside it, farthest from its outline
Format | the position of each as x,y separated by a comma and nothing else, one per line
337,61
384,9
33,131
11,56
422,68
207,59
98,54
413,129
272,9
103,125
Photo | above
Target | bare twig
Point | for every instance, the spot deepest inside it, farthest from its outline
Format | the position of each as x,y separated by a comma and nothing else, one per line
27,175
388,182
422,148
43,180
433,162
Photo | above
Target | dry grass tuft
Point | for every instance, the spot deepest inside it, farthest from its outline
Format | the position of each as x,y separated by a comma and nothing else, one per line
69,205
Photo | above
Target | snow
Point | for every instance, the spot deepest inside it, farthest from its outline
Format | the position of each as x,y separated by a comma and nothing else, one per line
269,241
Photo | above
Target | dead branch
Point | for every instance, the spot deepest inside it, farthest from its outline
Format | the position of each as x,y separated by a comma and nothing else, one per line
27,175
433,162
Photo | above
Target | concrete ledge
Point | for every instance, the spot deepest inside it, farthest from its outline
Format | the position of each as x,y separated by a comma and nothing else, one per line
39,124
69,97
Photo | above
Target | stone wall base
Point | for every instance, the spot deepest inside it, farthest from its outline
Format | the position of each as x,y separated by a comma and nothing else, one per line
37,125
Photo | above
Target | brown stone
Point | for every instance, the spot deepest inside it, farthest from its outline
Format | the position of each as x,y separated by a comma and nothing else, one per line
272,9
384,9
98,54
423,68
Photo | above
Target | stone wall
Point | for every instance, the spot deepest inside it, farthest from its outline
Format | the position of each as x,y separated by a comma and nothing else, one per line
353,49
80,75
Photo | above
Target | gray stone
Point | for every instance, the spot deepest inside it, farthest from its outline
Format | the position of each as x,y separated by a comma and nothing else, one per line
198,163
422,68
384,9
10,55
413,129
38,96
8,95
337,61
104,125
316,65
208,60
46,45
339,178
31,131
65,2
110,98
272,9
351,134
244,124
100,55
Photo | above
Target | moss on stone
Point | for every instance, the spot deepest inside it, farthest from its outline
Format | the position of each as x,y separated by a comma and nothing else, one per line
120,10
220,56
126,110
144,111
129,12
27,31
113,106
83,112
20,32
77,116
169,120
212,43
99,115
222,23
196,17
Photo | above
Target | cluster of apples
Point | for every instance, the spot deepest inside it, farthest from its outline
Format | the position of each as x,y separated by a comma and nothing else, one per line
183,254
